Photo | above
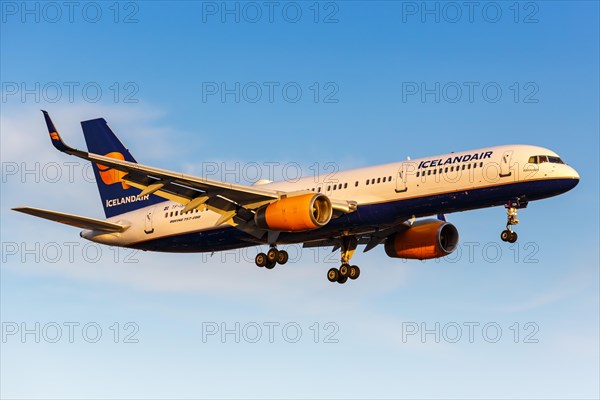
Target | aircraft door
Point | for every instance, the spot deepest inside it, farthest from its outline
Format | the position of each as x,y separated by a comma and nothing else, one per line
401,179
505,163
148,227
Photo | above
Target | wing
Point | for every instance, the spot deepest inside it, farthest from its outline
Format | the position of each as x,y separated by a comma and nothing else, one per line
73,220
236,203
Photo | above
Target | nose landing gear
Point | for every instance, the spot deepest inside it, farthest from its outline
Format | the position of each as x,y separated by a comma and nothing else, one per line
508,235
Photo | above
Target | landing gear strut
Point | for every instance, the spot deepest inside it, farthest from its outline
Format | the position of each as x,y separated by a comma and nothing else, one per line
272,258
341,275
508,235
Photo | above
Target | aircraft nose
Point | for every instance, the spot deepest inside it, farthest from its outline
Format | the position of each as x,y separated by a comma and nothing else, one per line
574,178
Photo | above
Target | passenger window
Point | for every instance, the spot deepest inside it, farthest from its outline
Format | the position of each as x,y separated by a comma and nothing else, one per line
481,164
378,180
418,172
171,213
373,181
346,185
446,170
328,188
356,184
469,166
384,178
390,178
319,189
166,214
451,169
441,170
367,181
428,172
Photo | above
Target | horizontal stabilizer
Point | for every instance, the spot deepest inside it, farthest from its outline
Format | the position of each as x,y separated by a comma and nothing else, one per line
73,220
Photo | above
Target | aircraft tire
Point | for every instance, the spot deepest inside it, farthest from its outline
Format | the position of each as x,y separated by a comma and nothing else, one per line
345,270
354,272
282,257
333,275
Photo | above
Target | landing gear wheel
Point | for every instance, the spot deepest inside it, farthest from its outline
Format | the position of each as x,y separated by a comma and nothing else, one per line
261,260
345,270
354,272
270,265
333,275
505,235
272,254
282,257
513,237
348,246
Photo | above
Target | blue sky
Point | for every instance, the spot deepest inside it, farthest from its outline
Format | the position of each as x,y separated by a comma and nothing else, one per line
157,66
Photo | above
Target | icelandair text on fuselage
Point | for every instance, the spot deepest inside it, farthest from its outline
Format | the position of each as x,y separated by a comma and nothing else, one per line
125,200
452,160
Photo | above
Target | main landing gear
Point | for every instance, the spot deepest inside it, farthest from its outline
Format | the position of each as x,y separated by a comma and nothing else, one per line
508,235
341,275
272,258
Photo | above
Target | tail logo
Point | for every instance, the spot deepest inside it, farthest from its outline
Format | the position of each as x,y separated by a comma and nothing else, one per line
111,176
54,136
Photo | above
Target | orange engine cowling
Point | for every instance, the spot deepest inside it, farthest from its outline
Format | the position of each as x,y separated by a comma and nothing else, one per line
423,240
295,214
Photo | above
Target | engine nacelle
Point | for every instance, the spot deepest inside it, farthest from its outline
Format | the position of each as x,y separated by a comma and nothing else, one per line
426,239
296,213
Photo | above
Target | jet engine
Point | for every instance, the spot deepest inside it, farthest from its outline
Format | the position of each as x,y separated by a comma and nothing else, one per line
423,240
295,214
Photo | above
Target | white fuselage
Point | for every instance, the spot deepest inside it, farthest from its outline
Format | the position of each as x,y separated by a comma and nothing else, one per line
390,192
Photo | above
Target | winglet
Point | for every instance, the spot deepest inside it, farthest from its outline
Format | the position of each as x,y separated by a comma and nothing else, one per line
55,138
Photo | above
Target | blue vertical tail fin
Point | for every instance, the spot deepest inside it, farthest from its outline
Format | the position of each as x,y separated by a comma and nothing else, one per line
117,196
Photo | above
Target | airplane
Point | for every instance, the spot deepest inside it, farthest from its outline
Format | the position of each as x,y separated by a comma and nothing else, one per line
153,209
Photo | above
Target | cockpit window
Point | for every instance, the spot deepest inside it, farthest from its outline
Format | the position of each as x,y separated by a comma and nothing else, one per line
555,160
543,159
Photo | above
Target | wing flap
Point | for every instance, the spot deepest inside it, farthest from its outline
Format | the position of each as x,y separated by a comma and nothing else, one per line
73,220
